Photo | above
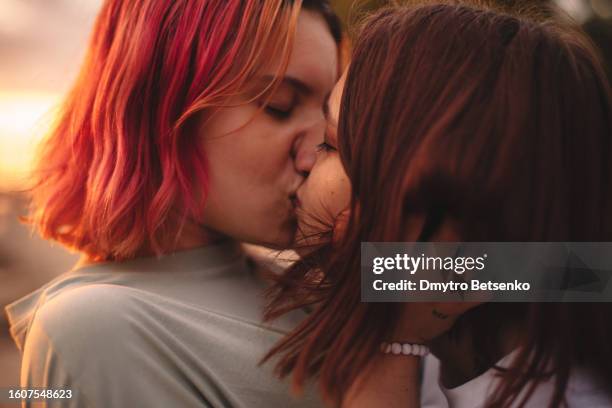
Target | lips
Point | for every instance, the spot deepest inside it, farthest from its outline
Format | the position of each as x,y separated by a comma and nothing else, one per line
295,201
293,195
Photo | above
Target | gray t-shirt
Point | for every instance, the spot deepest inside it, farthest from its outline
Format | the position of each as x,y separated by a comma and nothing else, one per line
183,330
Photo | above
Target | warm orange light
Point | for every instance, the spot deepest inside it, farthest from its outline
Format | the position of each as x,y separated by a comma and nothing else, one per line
24,119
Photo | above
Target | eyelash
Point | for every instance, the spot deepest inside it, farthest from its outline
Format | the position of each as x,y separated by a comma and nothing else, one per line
279,114
325,147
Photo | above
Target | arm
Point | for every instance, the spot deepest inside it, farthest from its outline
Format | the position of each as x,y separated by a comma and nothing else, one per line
391,381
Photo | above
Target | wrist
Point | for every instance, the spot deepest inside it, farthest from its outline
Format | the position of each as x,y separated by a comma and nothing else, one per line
404,349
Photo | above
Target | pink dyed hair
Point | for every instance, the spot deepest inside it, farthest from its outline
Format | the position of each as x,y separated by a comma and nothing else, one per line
119,173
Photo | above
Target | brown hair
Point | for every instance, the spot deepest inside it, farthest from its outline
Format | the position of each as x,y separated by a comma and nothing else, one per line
502,124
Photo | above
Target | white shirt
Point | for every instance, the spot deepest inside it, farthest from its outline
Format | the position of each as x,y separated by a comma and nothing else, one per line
581,391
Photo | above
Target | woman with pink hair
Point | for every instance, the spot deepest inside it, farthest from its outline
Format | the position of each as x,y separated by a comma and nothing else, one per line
188,130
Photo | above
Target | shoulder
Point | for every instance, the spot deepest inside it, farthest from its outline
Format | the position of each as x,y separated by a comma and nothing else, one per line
100,341
85,308
75,339
585,390
83,321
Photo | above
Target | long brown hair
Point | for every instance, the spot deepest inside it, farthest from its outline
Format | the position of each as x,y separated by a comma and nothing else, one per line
501,122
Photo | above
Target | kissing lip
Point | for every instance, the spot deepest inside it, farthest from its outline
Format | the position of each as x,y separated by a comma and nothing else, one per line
295,201
293,194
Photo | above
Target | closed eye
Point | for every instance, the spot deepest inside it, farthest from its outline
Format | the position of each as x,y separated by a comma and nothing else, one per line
325,147
278,113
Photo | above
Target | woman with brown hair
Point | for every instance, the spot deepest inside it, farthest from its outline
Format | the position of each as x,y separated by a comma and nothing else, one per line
455,123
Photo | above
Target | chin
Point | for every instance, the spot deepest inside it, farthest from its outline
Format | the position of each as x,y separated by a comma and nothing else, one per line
284,239
281,237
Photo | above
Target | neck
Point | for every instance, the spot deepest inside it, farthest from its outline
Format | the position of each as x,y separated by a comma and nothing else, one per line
191,236
195,236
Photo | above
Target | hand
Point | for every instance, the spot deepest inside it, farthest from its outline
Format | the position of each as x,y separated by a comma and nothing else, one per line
421,322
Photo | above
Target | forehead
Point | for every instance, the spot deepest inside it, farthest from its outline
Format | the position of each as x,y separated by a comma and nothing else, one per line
314,57
335,98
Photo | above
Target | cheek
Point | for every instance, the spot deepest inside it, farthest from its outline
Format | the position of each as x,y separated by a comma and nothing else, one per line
339,192
250,175
327,191
245,152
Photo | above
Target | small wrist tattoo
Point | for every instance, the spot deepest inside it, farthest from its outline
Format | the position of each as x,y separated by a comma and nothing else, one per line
439,315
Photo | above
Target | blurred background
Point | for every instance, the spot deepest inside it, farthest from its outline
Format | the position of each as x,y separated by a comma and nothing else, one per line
42,43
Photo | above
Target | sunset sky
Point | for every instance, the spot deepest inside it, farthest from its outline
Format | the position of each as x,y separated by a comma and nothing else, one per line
41,45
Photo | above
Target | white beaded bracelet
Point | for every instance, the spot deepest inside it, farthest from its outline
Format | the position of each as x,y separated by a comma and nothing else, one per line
406,349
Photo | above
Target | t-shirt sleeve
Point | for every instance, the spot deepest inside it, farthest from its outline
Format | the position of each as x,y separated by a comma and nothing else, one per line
42,368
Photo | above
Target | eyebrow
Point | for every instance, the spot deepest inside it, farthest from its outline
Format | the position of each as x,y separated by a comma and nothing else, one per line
296,83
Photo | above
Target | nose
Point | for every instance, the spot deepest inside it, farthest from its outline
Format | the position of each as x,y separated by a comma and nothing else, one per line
305,149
